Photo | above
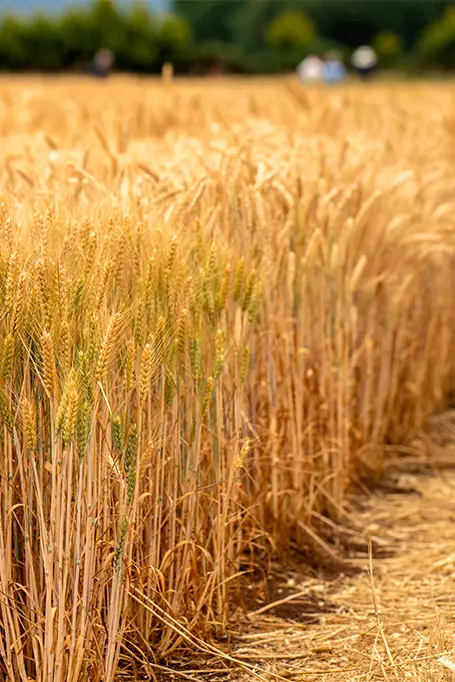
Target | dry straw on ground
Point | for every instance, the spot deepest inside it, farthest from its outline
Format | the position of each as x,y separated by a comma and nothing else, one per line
217,303
393,620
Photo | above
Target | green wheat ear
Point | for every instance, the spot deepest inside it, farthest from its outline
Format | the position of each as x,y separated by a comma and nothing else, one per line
131,482
84,376
121,542
195,358
245,364
118,435
132,445
169,389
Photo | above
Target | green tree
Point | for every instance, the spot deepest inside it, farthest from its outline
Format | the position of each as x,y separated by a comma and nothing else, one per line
36,44
174,38
289,37
12,52
252,20
291,29
42,42
354,23
139,50
349,22
388,47
244,35
437,45
210,20
107,24
86,29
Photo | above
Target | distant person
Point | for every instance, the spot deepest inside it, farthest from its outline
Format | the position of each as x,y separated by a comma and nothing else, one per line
364,60
334,68
167,73
311,69
102,63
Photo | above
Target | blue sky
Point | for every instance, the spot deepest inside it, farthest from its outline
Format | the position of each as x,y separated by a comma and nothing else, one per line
26,6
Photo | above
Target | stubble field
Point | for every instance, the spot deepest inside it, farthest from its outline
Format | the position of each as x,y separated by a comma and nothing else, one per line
223,306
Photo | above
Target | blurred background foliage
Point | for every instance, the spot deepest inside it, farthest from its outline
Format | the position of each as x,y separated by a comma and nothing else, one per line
249,36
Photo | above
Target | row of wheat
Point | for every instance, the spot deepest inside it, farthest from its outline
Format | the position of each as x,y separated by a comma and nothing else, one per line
211,320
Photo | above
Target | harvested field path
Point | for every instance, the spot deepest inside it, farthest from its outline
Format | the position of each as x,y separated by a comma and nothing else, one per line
393,624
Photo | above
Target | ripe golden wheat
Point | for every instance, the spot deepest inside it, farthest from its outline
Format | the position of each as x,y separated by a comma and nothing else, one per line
217,303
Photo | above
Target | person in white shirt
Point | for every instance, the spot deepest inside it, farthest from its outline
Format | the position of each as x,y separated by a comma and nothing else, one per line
311,69
364,60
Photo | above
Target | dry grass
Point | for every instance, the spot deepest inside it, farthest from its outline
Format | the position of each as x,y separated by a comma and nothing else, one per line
218,304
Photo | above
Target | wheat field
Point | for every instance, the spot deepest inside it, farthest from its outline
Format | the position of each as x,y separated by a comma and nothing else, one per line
222,305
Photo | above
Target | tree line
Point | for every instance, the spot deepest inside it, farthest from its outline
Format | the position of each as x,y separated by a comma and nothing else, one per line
251,36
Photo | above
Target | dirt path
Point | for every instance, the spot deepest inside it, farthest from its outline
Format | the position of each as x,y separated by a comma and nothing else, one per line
392,627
